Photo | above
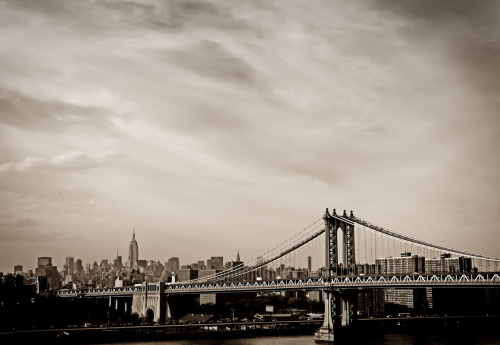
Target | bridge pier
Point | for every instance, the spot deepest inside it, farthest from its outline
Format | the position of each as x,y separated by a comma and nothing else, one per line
326,333
338,313
345,313
150,302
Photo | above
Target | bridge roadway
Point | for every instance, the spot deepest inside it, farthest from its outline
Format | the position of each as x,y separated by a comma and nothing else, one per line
342,282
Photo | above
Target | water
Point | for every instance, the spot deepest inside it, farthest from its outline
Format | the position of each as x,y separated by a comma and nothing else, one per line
469,337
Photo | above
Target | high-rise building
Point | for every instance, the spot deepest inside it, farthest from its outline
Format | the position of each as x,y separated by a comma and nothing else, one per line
70,265
141,265
402,297
118,263
186,274
465,264
215,263
44,261
235,265
18,269
104,263
206,273
79,266
172,265
371,302
405,264
445,264
133,253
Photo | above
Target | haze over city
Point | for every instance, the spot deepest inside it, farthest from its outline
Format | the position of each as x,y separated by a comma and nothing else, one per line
217,126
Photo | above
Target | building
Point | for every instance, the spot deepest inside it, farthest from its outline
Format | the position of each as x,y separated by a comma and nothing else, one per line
118,282
404,264
428,293
215,263
445,264
172,265
79,266
234,265
208,298
365,269
465,264
133,253
70,265
44,261
186,274
117,263
209,274
141,265
299,274
315,295
18,269
371,302
104,264
53,277
403,297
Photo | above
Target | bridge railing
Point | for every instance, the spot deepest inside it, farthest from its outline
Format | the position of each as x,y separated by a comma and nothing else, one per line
476,279
340,282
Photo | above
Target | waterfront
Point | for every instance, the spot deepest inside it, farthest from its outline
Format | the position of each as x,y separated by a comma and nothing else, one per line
405,331
468,337
467,334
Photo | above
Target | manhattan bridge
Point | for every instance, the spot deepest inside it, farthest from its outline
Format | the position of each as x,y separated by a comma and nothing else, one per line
346,253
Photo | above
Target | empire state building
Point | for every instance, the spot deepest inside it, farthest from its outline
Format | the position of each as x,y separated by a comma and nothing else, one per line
133,253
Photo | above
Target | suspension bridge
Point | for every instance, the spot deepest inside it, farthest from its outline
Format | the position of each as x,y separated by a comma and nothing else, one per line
334,254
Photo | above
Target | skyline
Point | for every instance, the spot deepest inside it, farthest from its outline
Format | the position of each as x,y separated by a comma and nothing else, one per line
215,126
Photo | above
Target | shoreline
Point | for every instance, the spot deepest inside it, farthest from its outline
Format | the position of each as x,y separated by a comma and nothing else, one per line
450,324
64,336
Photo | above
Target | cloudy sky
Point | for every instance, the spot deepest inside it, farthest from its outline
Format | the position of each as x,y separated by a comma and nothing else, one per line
213,126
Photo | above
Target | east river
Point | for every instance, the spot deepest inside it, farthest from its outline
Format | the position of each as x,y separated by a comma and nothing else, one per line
468,337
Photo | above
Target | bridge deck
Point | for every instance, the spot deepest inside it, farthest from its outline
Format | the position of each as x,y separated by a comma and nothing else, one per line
346,282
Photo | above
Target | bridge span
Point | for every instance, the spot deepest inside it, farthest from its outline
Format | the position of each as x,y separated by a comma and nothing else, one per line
341,282
342,253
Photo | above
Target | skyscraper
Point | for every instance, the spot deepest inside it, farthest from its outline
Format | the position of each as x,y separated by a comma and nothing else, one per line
79,266
133,253
70,265
172,265
44,261
117,263
215,263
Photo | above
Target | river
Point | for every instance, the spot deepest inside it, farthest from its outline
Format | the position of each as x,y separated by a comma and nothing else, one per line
468,337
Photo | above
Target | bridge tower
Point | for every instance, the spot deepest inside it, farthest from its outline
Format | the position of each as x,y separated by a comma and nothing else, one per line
337,307
333,223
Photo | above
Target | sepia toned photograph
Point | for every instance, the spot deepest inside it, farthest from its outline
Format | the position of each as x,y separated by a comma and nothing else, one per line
178,172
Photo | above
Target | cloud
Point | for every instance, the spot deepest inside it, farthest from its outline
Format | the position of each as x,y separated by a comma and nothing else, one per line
213,60
67,161
50,115
10,221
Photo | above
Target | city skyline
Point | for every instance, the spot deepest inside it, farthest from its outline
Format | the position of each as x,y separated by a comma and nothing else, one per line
126,261
211,126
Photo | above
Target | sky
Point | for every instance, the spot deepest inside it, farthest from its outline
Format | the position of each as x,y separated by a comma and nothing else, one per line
217,126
